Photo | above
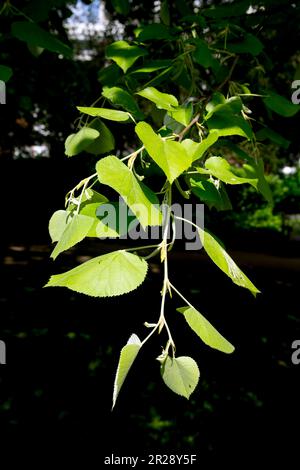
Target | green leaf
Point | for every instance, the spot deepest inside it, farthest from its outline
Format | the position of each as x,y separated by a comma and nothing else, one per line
110,114
170,156
280,105
221,169
34,35
75,231
152,66
224,262
197,150
256,169
121,6
207,192
165,12
152,32
120,97
108,275
5,73
127,357
273,136
110,75
183,114
116,174
205,330
76,143
180,374
249,44
123,54
230,124
57,224
105,142
219,103
98,229
162,100
225,116
202,54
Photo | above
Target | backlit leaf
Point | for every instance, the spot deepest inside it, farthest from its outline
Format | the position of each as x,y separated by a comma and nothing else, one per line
180,374
162,100
224,262
170,156
127,357
120,97
110,114
108,275
105,142
221,169
205,330
78,142
124,54
116,174
75,231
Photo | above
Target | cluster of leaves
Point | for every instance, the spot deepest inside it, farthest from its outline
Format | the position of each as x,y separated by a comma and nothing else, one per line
180,139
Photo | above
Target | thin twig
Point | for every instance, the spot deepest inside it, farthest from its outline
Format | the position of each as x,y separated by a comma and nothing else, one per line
187,128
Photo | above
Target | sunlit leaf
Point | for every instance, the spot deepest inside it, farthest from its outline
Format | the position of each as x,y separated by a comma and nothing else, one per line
205,330
162,100
181,375
224,262
105,142
124,54
183,114
108,275
116,174
127,357
221,169
75,231
120,97
170,156
110,114
78,142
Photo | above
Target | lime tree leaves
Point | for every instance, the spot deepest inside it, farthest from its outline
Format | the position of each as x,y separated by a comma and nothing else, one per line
108,275
180,374
127,357
205,330
75,230
162,100
78,142
170,156
280,105
120,97
114,173
225,116
224,262
105,113
36,36
123,54
221,169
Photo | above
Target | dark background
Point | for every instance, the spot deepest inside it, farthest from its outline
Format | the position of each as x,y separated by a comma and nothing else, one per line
63,347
